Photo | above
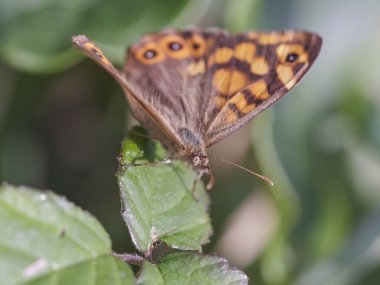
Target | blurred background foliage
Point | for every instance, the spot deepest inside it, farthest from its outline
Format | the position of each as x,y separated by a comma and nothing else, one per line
62,119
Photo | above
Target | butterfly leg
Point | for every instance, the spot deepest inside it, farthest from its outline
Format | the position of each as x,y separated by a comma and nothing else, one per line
211,181
193,188
165,161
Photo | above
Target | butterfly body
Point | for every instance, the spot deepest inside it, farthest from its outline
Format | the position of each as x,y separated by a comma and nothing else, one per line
192,88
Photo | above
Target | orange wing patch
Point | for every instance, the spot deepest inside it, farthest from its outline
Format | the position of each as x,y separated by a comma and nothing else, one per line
228,81
239,104
196,68
273,38
285,73
221,55
239,101
221,80
245,51
260,66
238,81
259,90
247,99
229,116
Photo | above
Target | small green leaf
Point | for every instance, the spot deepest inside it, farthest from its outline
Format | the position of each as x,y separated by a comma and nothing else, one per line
188,268
150,275
158,200
47,240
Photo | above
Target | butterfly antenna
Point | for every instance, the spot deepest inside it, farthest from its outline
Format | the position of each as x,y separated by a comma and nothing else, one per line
266,179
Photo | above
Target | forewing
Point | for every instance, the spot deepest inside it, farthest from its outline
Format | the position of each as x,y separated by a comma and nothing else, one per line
249,72
173,64
142,108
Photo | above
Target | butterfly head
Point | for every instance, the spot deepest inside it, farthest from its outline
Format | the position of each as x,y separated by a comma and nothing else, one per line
193,150
200,163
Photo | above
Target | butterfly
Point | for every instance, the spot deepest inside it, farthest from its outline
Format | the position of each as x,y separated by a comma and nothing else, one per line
192,88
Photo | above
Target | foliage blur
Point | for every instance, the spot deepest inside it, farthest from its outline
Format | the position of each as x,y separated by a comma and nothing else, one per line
62,119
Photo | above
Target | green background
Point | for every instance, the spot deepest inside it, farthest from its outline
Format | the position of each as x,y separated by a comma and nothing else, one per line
62,120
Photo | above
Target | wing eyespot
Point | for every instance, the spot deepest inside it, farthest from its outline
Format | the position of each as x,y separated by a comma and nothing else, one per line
150,53
291,54
292,57
175,46
196,46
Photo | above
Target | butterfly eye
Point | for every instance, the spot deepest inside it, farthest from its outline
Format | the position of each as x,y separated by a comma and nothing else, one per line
292,57
196,160
175,46
149,54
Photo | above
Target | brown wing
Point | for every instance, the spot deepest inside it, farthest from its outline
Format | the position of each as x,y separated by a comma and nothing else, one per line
143,109
207,81
171,66
249,72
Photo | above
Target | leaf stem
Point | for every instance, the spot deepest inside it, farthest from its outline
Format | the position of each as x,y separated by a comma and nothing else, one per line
130,258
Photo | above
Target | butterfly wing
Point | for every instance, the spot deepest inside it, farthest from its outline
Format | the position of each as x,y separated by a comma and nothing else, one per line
206,81
249,72
172,64
212,82
141,106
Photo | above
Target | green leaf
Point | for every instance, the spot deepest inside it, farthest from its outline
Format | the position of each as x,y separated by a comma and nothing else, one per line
158,200
150,275
47,240
191,268
35,35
